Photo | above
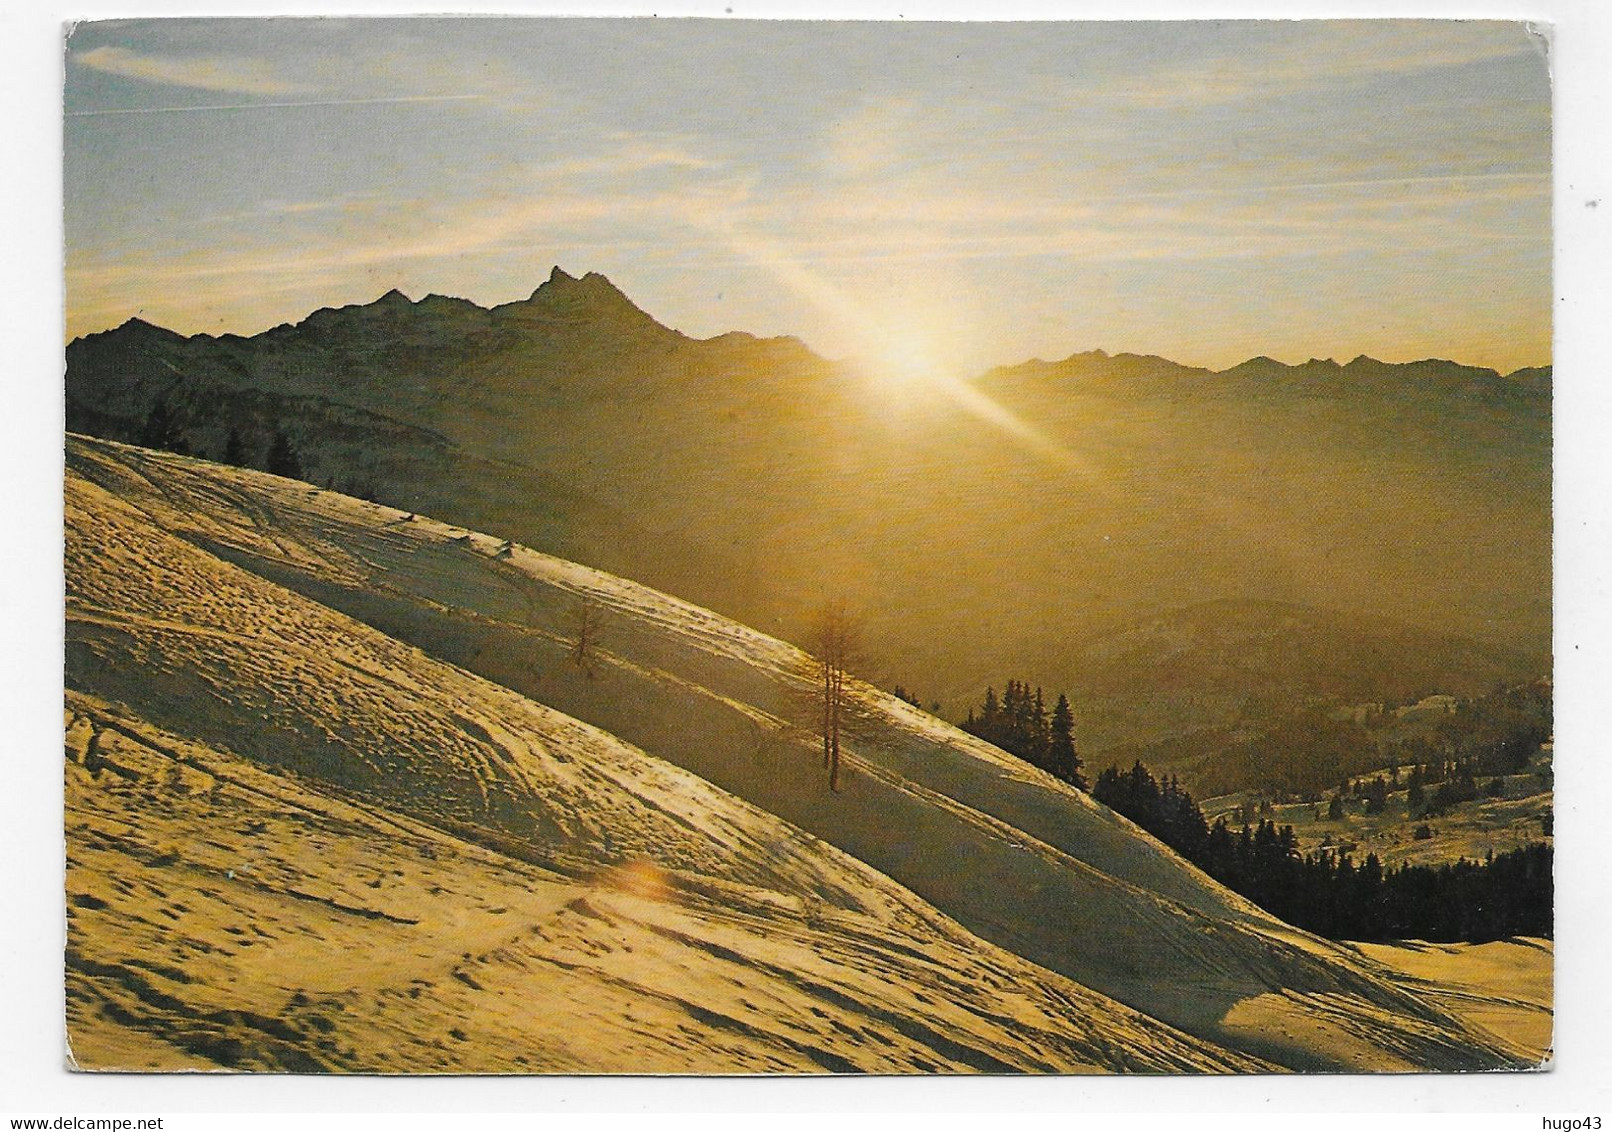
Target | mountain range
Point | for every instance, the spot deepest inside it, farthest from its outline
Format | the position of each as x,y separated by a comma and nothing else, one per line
1405,507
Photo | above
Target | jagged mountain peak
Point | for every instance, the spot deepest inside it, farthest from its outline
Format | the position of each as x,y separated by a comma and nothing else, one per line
1098,367
392,301
561,284
590,298
139,328
435,301
388,306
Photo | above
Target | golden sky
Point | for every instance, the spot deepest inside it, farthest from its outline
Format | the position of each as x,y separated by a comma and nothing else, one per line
963,195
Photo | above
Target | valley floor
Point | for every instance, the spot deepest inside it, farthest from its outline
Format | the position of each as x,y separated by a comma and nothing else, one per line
1470,830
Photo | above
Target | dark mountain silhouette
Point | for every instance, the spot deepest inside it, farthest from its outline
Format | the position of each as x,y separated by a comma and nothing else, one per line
760,479
1429,386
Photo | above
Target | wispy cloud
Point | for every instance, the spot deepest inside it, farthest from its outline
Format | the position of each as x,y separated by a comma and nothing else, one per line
410,232
1275,162
1337,52
349,204
270,105
222,73
927,223
631,155
802,240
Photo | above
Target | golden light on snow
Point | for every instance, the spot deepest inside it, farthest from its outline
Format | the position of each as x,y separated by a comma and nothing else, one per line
639,877
730,980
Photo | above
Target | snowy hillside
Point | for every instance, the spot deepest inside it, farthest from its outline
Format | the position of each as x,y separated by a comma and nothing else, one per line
226,917
357,713
343,854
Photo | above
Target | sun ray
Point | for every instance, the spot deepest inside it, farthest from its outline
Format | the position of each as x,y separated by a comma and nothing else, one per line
893,356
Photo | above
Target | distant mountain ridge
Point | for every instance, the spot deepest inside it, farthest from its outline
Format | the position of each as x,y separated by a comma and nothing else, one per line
1314,375
752,476
592,298
1238,661
590,317
1248,645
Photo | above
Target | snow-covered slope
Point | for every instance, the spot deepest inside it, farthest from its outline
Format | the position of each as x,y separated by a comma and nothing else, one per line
180,580
294,843
225,916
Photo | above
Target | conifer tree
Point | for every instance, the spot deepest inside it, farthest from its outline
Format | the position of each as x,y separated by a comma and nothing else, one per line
990,714
162,431
1065,763
1416,796
1039,739
282,459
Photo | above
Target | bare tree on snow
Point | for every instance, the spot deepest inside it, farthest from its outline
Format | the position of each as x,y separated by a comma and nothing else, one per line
833,643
